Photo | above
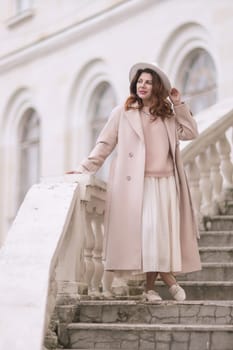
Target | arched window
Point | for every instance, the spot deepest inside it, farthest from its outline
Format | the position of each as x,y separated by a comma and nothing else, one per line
29,148
22,5
103,101
197,80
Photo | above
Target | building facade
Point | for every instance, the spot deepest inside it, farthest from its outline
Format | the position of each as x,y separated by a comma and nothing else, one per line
64,65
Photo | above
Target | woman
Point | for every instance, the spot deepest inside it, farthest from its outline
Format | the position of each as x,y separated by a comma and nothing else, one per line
149,220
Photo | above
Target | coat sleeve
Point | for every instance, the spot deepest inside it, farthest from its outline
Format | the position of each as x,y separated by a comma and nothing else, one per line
186,125
105,144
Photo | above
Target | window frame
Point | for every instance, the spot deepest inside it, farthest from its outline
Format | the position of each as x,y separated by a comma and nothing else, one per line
25,142
187,71
96,122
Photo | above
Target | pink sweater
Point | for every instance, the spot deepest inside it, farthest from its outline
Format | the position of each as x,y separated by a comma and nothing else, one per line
158,158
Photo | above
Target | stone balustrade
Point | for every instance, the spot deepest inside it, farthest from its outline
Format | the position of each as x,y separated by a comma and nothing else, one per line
80,267
53,253
209,168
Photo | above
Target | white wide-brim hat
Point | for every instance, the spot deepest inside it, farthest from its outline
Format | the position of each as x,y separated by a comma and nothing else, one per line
153,66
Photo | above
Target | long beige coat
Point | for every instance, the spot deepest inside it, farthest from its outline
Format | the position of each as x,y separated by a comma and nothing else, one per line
123,246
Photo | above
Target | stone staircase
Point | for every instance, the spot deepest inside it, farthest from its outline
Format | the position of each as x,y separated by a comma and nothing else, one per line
203,322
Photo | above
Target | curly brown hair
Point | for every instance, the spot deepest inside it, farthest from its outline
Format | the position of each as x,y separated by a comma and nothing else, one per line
160,105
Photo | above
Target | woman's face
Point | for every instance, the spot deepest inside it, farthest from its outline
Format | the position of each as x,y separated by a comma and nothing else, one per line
144,86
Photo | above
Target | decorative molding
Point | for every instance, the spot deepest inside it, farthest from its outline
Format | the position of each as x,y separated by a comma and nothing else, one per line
19,18
87,79
72,33
17,105
185,39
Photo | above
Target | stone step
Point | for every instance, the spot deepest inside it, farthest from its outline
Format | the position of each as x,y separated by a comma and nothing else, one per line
215,238
228,195
153,336
219,223
195,290
210,272
201,290
216,254
173,312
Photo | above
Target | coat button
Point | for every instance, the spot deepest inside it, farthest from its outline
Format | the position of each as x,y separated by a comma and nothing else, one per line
130,154
128,178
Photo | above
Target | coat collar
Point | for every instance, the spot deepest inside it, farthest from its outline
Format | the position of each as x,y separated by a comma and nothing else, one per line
134,119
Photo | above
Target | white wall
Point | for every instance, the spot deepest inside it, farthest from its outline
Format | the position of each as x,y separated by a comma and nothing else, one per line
64,49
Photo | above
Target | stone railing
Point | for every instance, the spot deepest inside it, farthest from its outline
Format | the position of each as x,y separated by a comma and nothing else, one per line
53,253
209,168
80,268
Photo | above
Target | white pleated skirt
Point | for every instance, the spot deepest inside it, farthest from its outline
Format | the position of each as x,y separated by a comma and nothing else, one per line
161,249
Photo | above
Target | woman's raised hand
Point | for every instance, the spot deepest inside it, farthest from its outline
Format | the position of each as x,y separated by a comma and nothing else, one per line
175,96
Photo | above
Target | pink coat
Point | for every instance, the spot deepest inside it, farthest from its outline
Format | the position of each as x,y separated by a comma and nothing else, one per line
122,244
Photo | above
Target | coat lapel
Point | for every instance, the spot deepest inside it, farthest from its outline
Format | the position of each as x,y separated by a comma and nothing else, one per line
133,117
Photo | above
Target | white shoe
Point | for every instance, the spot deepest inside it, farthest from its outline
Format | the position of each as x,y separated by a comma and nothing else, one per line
151,295
177,292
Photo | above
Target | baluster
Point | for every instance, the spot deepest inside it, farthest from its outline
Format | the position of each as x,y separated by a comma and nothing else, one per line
88,250
107,284
194,178
205,184
70,269
97,255
50,316
215,177
224,149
